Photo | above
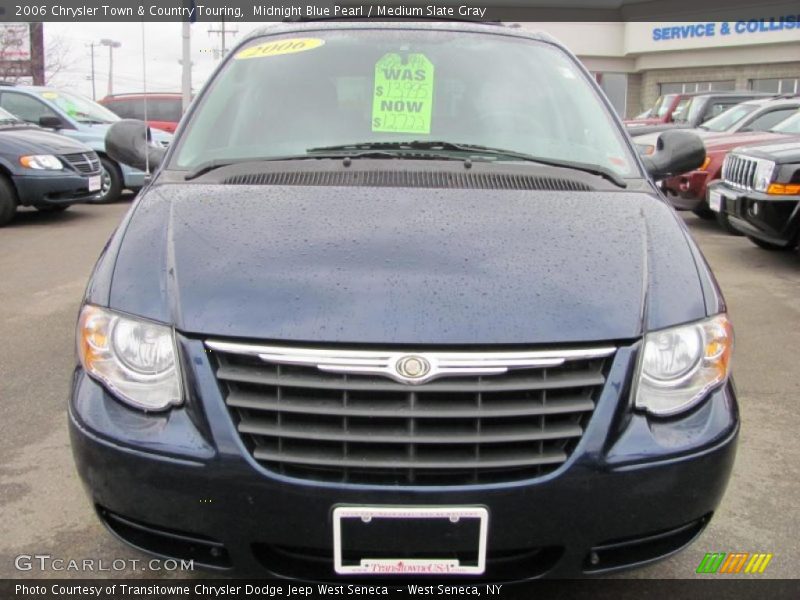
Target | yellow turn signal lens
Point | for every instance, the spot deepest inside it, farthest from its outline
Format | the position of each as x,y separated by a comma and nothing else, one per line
705,164
784,189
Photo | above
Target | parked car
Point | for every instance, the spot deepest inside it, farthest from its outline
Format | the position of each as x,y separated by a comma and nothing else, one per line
761,114
688,190
81,119
754,115
692,110
457,333
163,110
42,169
759,193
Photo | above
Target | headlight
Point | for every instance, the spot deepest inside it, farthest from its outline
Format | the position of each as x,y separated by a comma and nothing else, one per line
763,175
134,358
41,162
681,364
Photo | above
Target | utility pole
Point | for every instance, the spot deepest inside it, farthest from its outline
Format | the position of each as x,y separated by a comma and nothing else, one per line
222,31
186,66
91,49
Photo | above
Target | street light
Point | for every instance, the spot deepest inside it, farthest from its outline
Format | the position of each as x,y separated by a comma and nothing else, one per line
111,45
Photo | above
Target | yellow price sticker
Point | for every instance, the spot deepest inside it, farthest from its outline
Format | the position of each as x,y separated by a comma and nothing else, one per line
49,95
279,47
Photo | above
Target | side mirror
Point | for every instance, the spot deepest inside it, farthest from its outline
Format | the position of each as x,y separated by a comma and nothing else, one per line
675,152
51,122
130,142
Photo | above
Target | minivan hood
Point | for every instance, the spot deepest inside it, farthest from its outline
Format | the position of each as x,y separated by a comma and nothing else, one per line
405,265
39,141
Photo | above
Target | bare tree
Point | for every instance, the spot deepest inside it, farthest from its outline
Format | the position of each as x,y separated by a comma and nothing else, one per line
59,59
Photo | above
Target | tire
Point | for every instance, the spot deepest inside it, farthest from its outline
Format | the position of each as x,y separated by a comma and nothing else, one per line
725,224
52,208
769,245
8,200
111,182
705,213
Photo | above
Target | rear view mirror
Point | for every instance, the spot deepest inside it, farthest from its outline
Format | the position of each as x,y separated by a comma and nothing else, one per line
130,142
675,152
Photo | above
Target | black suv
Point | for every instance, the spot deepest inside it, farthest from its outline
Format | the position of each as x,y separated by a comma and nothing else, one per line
760,192
41,169
401,298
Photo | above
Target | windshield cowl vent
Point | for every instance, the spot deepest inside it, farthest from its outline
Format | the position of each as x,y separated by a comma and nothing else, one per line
412,179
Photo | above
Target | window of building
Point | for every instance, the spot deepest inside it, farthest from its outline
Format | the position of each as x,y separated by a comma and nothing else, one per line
696,86
787,85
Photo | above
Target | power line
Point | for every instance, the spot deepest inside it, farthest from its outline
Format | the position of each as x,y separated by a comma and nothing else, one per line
221,32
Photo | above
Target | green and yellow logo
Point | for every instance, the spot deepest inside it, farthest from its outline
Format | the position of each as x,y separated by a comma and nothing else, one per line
734,562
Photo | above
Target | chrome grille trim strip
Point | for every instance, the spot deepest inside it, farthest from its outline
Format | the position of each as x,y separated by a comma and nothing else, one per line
383,362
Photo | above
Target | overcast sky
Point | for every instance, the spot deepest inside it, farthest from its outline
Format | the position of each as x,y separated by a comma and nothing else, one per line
163,44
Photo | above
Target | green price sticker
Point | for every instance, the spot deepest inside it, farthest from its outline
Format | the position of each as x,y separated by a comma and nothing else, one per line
403,97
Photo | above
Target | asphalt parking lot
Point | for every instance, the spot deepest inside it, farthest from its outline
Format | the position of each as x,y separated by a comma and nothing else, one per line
45,260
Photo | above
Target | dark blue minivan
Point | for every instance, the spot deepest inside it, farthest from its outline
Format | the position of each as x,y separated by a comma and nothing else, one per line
402,299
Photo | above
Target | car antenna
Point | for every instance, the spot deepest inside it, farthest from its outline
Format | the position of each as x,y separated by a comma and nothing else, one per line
144,86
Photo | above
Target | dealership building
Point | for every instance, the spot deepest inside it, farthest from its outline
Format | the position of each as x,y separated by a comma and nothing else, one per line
635,62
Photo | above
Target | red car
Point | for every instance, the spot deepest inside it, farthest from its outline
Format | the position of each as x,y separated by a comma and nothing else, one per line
164,111
688,191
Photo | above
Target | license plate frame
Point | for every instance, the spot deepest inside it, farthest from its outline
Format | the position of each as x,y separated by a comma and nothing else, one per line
95,183
406,566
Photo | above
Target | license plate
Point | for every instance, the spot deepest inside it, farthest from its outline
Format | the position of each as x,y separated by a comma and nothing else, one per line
377,540
715,201
94,183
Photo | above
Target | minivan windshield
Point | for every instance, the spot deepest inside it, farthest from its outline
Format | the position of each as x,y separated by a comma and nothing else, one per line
79,108
289,95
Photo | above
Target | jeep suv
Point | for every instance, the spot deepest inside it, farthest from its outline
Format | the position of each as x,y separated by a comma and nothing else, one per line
759,194
402,299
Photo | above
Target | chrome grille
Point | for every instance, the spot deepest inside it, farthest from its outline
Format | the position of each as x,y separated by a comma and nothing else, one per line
739,172
84,162
302,418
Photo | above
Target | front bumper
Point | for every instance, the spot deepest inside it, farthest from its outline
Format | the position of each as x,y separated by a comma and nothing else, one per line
132,178
59,188
774,219
181,484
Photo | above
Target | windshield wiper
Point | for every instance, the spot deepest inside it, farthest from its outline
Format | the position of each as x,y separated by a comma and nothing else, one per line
477,149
